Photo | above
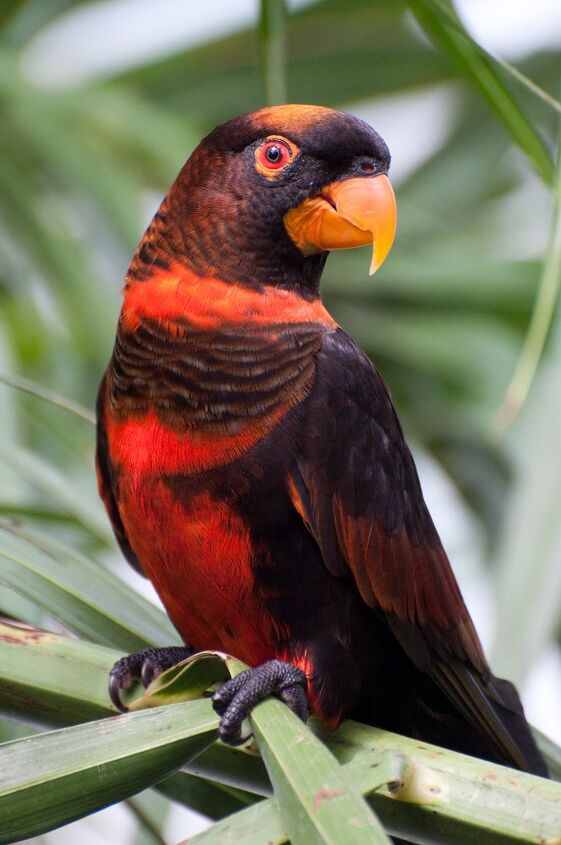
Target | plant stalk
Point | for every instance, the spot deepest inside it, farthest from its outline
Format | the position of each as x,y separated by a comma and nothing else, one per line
272,41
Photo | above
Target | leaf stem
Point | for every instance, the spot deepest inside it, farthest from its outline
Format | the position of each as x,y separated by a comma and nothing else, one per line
524,80
272,40
34,389
145,821
540,323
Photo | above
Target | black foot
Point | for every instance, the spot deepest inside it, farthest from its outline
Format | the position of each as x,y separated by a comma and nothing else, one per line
142,666
235,700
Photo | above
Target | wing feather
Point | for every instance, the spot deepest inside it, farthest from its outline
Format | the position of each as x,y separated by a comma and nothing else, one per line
357,489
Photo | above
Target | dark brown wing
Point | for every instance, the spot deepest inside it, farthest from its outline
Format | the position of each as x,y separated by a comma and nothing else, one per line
105,479
357,489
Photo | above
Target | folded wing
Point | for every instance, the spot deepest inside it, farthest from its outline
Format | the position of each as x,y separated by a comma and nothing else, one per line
356,487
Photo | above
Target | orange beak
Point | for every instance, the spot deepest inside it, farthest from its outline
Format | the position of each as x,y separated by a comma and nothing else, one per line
346,214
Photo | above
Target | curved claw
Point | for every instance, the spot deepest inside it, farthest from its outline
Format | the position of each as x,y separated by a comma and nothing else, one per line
235,700
115,693
142,666
147,673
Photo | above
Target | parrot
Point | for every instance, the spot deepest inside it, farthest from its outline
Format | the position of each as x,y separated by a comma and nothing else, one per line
252,463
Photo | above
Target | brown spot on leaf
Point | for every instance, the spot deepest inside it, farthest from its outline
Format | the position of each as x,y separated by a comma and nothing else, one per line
325,795
6,638
17,633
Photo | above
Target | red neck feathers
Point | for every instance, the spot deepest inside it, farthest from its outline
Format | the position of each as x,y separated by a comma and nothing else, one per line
179,299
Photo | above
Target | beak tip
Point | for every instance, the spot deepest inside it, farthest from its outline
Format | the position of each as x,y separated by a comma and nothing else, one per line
375,264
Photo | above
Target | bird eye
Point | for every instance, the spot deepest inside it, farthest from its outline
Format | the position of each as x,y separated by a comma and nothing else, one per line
273,155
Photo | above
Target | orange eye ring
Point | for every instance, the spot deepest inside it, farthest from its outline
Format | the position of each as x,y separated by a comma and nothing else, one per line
274,154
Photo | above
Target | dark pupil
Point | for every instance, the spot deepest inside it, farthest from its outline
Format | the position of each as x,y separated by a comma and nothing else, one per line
273,154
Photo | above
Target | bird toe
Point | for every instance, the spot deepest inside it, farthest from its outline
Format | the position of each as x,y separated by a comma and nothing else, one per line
142,666
235,700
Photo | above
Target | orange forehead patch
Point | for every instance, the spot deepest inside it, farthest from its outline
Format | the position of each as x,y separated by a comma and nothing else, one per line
299,117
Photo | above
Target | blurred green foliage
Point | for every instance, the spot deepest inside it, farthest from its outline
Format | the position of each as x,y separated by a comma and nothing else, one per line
81,170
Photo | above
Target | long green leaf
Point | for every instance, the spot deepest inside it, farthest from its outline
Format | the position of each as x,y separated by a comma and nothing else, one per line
59,680
56,680
86,597
211,799
53,778
51,679
227,766
261,824
318,802
150,814
14,606
448,797
66,492
444,27
552,754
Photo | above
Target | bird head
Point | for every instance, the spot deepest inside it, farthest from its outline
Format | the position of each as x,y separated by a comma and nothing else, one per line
266,196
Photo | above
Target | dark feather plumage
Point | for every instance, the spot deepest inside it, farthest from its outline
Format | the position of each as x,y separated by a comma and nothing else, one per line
252,463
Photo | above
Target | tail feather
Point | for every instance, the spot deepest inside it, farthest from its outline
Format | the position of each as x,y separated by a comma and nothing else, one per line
490,706
472,700
511,713
494,708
